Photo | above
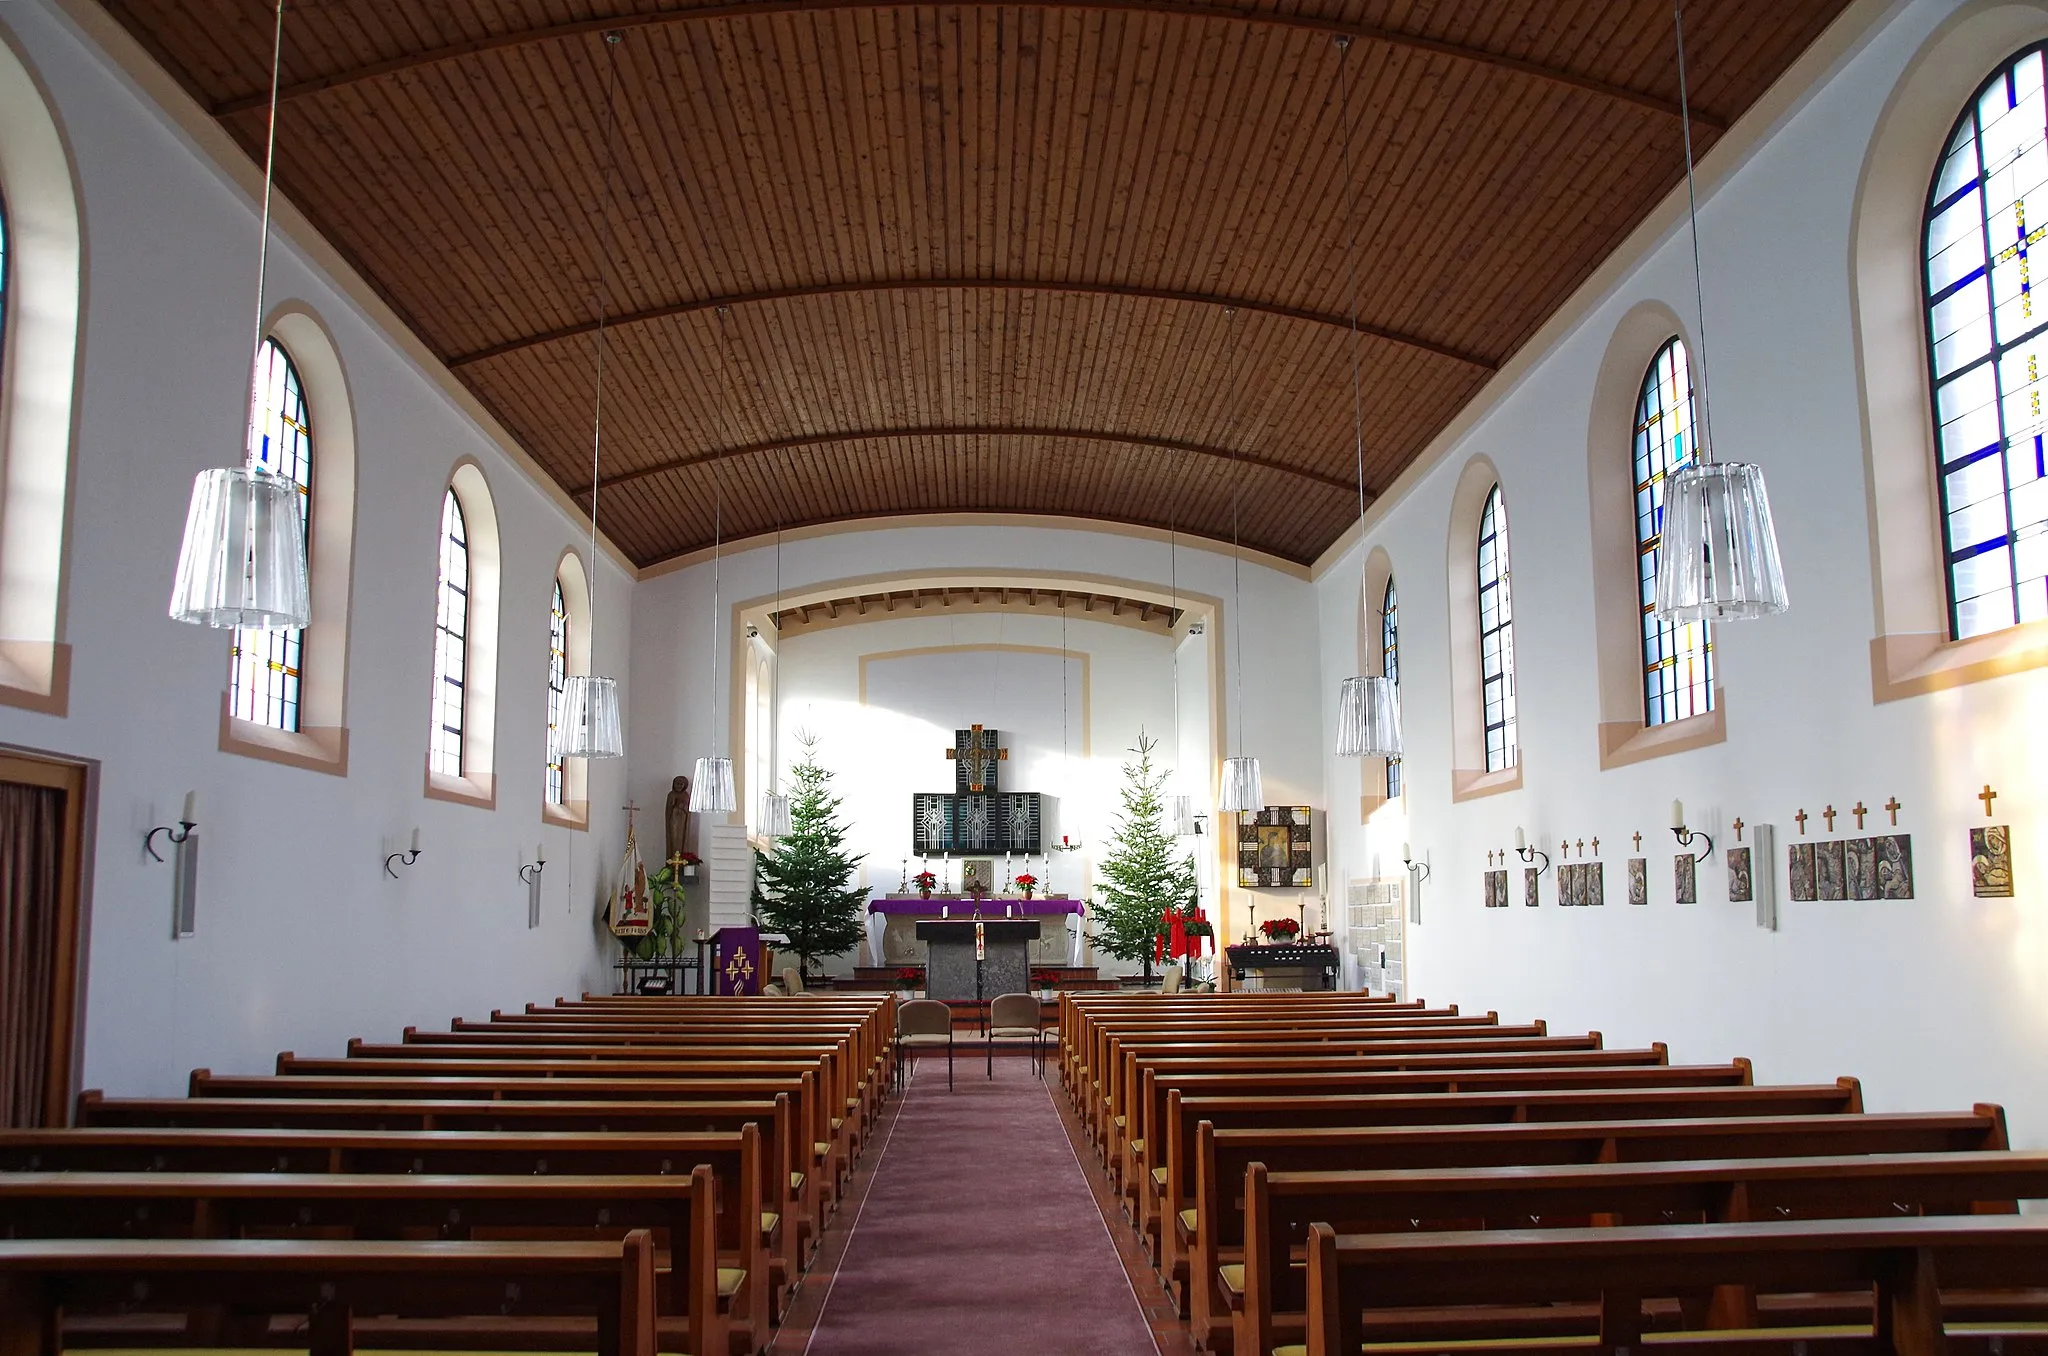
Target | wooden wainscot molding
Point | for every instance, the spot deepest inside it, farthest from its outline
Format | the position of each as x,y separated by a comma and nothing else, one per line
481,792
1915,663
317,748
35,675
1630,741
1470,784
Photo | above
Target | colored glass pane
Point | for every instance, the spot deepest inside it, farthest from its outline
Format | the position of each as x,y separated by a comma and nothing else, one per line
1497,636
451,641
1678,657
1390,665
264,667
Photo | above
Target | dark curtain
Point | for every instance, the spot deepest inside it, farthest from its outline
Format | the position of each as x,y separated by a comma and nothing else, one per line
31,868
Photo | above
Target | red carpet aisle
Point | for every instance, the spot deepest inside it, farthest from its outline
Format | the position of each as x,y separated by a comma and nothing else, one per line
979,1234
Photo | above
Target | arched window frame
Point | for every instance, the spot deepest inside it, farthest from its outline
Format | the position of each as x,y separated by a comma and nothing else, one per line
1912,652
572,582
320,744
476,781
1625,734
1472,775
1493,564
1678,657
40,339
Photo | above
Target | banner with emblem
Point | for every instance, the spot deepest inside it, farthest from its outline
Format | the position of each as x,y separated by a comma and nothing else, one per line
630,911
736,959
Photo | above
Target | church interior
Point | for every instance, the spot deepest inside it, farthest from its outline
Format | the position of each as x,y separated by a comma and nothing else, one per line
1058,676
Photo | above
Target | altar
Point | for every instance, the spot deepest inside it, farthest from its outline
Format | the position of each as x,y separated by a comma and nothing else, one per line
893,920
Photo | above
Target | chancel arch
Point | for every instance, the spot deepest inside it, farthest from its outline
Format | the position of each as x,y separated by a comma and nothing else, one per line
1619,493
1915,648
41,287
287,693
463,701
1485,721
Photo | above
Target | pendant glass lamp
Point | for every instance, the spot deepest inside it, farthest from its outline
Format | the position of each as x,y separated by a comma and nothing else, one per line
589,727
1242,788
774,814
243,559
1718,557
711,790
1369,718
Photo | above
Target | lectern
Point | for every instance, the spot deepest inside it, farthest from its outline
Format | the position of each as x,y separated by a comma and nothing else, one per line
951,970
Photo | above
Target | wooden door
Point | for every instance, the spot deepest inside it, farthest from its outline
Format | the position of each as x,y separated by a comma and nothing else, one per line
43,817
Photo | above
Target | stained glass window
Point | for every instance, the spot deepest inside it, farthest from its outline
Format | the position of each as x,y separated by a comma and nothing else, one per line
558,679
451,641
264,667
1678,657
1497,635
1986,211
1390,665
3,280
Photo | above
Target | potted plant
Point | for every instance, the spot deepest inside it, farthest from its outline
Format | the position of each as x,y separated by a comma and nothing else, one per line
1280,930
1027,883
1044,978
924,881
909,977
691,861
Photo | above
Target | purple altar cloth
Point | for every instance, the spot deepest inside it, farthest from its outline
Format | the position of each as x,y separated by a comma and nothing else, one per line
917,905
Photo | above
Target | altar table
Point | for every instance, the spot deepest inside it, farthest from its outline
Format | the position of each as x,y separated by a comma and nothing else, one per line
908,909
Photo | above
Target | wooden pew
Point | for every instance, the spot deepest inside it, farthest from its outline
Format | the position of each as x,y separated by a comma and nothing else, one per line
1180,1239
750,1234
1909,1264
789,1188
329,1282
697,1301
1224,1156
1279,1207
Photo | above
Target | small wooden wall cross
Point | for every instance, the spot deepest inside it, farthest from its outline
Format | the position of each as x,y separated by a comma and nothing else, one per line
1987,795
1892,808
1639,840
1582,847
1738,828
1801,817
1596,846
1829,815
1859,812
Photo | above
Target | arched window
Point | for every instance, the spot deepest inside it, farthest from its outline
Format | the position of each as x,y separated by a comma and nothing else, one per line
1496,635
1678,658
3,282
264,667
451,642
1986,347
1390,666
558,681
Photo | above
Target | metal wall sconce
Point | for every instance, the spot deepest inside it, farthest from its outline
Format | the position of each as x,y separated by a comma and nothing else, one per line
408,857
1418,872
1530,854
184,869
530,873
1685,836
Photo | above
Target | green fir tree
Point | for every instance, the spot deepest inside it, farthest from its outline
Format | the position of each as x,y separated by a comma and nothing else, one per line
800,885
1144,872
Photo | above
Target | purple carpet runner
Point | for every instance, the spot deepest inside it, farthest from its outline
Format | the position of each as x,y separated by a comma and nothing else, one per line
978,1234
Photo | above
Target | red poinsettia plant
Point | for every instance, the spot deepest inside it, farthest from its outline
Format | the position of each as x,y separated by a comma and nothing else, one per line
1026,882
1044,978
1280,929
909,977
924,881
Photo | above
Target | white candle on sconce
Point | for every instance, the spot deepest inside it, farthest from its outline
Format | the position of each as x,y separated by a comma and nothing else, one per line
415,838
191,807
1521,839
1677,814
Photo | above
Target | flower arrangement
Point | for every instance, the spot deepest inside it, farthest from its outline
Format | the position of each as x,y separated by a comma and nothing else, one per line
1280,929
924,881
909,977
1027,883
1043,978
1200,927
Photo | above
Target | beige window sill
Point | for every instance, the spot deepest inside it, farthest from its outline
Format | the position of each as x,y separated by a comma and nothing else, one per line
482,792
35,675
1468,784
1913,664
573,814
1630,741
316,748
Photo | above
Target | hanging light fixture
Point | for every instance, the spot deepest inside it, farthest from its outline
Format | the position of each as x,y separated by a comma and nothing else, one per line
1180,807
1369,705
242,561
711,791
774,804
1242,787
590,726
1718,555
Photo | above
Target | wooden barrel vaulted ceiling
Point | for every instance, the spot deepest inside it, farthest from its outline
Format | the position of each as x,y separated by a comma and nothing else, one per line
1073,257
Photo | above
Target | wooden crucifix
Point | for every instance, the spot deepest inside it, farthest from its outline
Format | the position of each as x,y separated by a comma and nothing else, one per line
1639,840
1892,808
977,756
1829,815
1802,818
1987,795
1859,812
1738,828
1596,845
1582,847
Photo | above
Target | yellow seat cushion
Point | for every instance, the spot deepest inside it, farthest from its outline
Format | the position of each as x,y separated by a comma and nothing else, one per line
1159,1178
1296,1349
1120,1121
1232,1278
820,1147
1187,1221
853,1104
769,1219
837,1121
730,1279
1137,1146
796,1181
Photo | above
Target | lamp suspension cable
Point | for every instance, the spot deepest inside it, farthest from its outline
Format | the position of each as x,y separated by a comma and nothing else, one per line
1236,555
604,260
1703,445
251,459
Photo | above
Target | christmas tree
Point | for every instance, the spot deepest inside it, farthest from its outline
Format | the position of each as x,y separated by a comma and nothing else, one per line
800,885
1144,872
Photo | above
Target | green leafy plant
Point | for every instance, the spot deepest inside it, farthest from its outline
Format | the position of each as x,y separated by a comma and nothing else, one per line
666,937
1144,872
800,887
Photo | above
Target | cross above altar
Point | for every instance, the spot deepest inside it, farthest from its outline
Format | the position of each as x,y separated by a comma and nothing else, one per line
977,756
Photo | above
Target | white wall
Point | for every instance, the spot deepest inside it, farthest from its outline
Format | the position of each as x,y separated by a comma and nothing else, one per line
676,718
1936,1002
302,940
